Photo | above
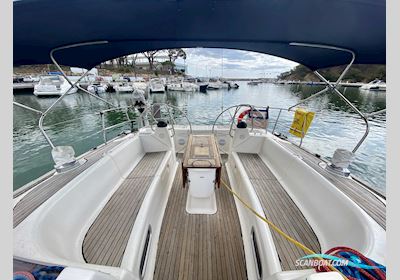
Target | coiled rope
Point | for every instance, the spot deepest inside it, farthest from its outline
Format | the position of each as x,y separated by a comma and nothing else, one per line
377,272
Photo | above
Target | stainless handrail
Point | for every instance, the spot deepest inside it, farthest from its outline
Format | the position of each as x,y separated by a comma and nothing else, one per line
252,119
277,119
102,115
117,125
27,108
232,120
103,130
354,109
252,108
117,108
168,106
145,113
232,117
72,85
376,113
333,86
308,98
184,115
41,119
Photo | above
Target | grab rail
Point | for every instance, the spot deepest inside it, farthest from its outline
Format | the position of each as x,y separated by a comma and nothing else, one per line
252,108
255,108
103,122
333,86
172,119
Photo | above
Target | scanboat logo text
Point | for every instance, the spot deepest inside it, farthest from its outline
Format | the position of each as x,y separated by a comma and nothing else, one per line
318,260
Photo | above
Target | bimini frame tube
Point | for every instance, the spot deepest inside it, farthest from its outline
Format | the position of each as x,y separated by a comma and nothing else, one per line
87,72
333,86
354,109
72,85
383,111
27,108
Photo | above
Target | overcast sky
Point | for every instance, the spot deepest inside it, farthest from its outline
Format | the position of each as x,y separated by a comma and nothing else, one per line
206,62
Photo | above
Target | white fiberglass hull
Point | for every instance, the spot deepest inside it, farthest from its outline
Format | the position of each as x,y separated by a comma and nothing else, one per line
124,89
376,85
140,85
157,89
217,85
97,89
213,86
176,89
374,88
181,88
53,93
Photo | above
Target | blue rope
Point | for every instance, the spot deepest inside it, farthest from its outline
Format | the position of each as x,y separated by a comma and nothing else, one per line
47,272
351,271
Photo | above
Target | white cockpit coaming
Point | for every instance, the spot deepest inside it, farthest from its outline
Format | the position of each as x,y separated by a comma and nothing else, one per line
329,211
54,232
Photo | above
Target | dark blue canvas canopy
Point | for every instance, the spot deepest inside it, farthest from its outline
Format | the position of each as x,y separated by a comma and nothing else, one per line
266,26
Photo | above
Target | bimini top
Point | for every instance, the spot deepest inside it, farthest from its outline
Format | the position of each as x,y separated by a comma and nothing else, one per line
266,26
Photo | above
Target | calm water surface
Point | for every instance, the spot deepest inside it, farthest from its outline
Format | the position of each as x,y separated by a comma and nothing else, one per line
74,122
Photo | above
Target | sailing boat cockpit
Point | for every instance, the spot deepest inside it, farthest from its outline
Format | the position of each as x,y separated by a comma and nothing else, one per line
233,199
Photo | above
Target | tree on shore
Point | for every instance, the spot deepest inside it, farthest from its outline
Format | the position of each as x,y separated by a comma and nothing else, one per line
134,58
357,73
129,62
150,55
174,54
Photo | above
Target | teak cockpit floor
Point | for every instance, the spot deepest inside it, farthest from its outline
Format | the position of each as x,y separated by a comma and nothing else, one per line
200,246
107,238
360,193
281,210
47,188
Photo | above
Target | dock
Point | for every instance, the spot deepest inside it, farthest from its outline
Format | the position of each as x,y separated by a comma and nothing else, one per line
28,87
311,83
23,87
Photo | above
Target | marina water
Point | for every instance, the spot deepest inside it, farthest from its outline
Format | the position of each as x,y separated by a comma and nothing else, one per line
74,121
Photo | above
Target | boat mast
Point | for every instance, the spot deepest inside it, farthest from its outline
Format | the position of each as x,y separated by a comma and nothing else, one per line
222,64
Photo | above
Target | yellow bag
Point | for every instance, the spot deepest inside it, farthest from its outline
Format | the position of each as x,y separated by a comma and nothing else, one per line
301,122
